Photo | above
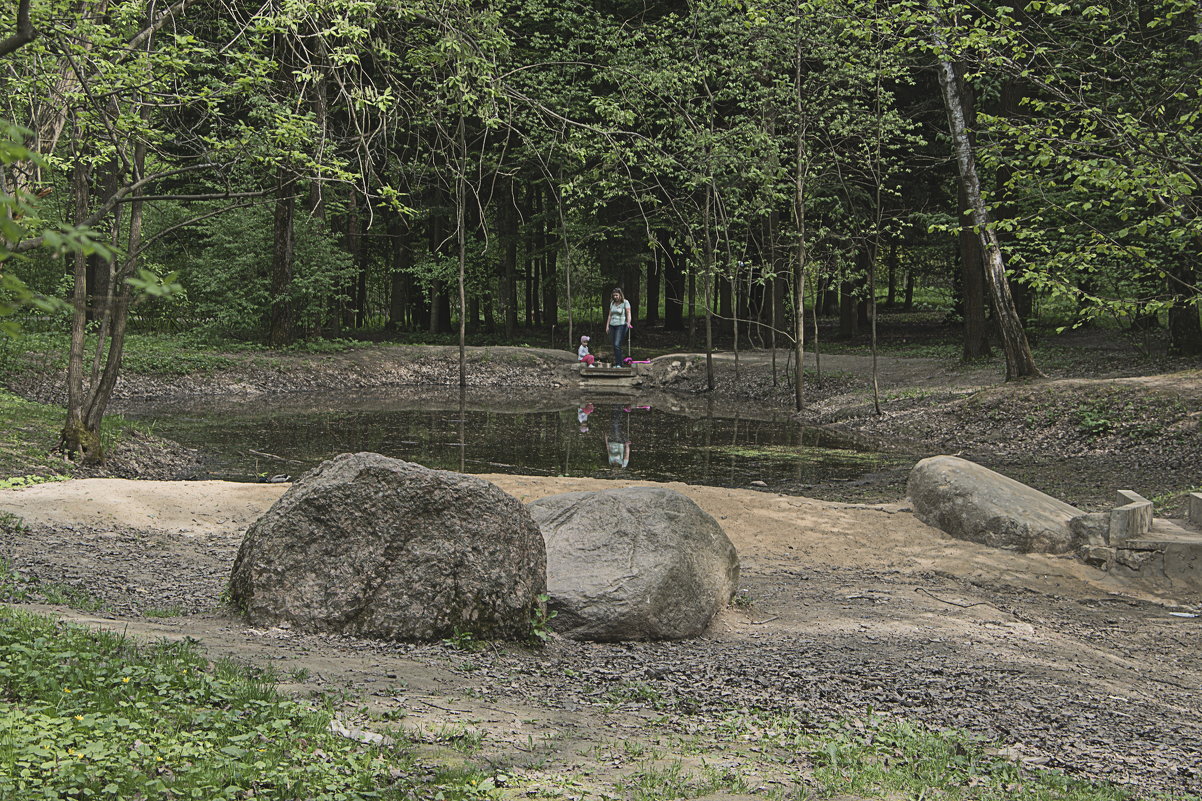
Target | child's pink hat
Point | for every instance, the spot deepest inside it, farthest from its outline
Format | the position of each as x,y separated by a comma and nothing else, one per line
584,338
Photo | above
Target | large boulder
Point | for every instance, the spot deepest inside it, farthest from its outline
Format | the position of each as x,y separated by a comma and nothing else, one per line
377,547
643,563
974,503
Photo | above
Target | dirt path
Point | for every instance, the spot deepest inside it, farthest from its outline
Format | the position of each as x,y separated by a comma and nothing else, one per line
848,608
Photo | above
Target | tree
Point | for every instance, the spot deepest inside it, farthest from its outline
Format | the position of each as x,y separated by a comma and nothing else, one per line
1019,361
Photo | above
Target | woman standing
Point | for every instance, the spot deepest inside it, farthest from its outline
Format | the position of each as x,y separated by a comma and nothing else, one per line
619,323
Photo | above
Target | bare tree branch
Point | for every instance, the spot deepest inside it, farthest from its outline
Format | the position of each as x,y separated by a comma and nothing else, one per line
25,31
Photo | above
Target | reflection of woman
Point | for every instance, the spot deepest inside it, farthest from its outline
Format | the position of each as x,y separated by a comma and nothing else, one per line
619,323
617,444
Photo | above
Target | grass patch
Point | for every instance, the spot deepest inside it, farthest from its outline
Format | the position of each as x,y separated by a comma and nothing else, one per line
90,714
636,692
144,354
30,431
29,481
886,757
656,782
16,587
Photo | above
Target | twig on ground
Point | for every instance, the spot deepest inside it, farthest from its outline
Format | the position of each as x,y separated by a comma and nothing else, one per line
253,452
925,591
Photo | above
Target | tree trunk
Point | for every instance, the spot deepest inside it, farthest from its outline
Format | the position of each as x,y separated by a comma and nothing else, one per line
650,311
891,264
674,286
708,266
75,438
1185,332
550,267
461,241
972,285
102,390
725,301
508,223
352,309
692,308
402,261
849,320
435,243
1019,361
282,256
536,253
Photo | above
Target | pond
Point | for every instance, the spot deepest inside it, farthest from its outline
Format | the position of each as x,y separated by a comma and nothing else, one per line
657,438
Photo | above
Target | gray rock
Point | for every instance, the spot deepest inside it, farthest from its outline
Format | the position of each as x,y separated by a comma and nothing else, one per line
644,563
970,502
1098,556
1091,529
378,547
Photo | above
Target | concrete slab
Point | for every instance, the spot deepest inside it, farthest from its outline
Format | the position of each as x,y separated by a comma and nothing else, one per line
609,378
607,373
1162,534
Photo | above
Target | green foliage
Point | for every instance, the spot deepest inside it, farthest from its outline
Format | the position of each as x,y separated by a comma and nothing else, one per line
228,290
1094,418
29,433
92,715
540,622
14,587
463,640
20,225
635,691
885,755
29,481
742,600
1134,418
891,757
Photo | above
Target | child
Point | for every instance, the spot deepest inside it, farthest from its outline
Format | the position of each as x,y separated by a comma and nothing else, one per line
582,416
583,354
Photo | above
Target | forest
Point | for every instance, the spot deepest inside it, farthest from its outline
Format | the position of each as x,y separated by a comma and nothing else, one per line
302,169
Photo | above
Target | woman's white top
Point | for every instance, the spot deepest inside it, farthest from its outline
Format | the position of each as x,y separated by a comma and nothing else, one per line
619,313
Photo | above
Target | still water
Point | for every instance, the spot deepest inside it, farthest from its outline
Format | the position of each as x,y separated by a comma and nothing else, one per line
662,438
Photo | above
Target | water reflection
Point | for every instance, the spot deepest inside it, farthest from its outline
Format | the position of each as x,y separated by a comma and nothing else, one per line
617,441
663,439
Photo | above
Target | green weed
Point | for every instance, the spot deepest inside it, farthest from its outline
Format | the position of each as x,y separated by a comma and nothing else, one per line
29,481
896,758
653,782
540,622
53,592
635,691
463,641
15,588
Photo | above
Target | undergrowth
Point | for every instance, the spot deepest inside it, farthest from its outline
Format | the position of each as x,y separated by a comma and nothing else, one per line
30,434
93,715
